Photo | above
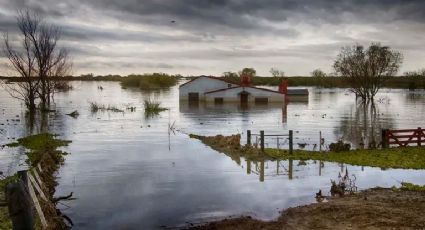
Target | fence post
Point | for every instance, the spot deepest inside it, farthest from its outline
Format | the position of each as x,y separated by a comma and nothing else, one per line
384,138
419,135
290,142
277,143
262,140
320,141
19,203
248,137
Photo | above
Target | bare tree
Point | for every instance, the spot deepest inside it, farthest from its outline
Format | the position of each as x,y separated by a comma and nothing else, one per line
277,72
52,61
23,61
43,58
367,69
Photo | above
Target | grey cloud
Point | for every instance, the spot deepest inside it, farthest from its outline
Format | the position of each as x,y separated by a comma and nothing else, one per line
221,31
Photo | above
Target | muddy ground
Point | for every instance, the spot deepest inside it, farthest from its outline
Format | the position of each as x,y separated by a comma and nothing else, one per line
376,208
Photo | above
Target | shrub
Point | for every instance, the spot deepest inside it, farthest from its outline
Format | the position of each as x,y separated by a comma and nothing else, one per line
339,146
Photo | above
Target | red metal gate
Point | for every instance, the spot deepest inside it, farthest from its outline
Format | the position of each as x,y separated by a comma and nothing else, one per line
403,137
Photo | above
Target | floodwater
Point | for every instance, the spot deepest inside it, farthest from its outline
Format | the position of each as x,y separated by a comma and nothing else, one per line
128,171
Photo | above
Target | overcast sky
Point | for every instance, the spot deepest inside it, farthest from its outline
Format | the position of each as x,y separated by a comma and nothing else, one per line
194,37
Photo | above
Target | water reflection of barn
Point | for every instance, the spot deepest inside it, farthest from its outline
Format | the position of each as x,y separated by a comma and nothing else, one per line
217,90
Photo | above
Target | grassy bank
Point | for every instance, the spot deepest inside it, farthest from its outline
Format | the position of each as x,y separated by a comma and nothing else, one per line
43,149
150,81
404,158
376,208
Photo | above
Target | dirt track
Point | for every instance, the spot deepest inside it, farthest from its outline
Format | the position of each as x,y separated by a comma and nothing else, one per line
371,209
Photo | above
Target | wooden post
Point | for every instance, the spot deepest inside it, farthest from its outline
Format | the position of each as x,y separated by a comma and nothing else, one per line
248,166
277,167
248,137
290,142
320,168
290,169
384,138
419,135
19,204
277,143
37,205
262,140
320,141
262,171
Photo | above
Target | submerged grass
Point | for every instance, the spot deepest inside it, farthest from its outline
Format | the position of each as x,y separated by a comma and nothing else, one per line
96,107
152,108
150,81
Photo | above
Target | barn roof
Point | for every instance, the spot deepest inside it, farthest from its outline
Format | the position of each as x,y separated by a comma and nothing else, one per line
210,77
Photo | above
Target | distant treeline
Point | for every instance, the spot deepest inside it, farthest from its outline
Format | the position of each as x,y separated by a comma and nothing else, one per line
406,82
150,81
161,80
142,81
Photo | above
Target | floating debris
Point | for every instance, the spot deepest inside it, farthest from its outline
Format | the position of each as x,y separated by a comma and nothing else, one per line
74,114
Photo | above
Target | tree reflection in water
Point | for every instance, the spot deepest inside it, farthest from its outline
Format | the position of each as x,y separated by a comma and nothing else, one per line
363,128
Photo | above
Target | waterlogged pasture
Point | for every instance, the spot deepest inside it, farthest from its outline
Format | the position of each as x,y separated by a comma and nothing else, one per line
128,171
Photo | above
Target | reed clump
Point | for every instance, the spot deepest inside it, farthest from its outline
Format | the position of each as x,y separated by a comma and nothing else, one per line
96,107
152,108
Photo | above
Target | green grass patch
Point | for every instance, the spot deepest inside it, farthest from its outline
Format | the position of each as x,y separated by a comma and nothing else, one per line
405,158
150,81
38,145
412,187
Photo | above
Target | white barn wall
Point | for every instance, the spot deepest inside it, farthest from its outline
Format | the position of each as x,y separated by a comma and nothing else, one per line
202,85
232,95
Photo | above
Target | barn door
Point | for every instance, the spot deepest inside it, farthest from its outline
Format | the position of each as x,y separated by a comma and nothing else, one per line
193,97
244,98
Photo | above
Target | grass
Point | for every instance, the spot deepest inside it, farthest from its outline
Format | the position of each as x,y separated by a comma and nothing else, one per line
5,222
405,158
152,108
96,107
150,81
412,187
38,145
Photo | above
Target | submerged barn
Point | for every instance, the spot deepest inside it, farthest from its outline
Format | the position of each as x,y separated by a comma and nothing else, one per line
212,89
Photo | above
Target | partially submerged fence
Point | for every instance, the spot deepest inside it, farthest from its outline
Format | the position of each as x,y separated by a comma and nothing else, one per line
261,135
22,198
403,137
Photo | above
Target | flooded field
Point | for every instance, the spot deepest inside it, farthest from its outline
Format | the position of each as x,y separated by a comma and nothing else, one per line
127,171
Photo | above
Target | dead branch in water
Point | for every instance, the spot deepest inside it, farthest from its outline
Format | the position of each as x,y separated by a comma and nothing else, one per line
69,197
